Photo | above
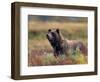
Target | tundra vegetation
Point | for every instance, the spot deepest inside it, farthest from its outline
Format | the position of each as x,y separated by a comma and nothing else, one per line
40,52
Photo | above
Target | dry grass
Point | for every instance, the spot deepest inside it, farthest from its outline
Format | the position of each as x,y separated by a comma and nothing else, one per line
39,44
70,26
44,59
40,51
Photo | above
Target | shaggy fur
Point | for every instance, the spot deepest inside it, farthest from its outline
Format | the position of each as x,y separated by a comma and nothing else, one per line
64,46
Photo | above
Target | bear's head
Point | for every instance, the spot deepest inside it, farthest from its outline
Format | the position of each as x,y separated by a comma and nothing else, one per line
53,35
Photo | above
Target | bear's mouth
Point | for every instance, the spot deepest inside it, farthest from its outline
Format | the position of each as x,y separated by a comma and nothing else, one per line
55,44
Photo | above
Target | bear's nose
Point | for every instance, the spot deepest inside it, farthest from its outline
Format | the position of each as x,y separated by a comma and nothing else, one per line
47,35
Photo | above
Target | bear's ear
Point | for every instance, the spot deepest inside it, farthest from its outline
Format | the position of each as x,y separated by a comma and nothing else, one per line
49,30
57,30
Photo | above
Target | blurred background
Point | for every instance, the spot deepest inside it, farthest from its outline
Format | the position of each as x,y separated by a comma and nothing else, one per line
72,28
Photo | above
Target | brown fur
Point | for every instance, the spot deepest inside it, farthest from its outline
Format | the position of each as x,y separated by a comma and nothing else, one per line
64,46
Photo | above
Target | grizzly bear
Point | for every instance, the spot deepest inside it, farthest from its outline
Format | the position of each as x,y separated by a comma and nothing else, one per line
64,46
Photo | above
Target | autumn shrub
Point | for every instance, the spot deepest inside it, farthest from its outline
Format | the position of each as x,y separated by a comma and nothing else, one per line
49,59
